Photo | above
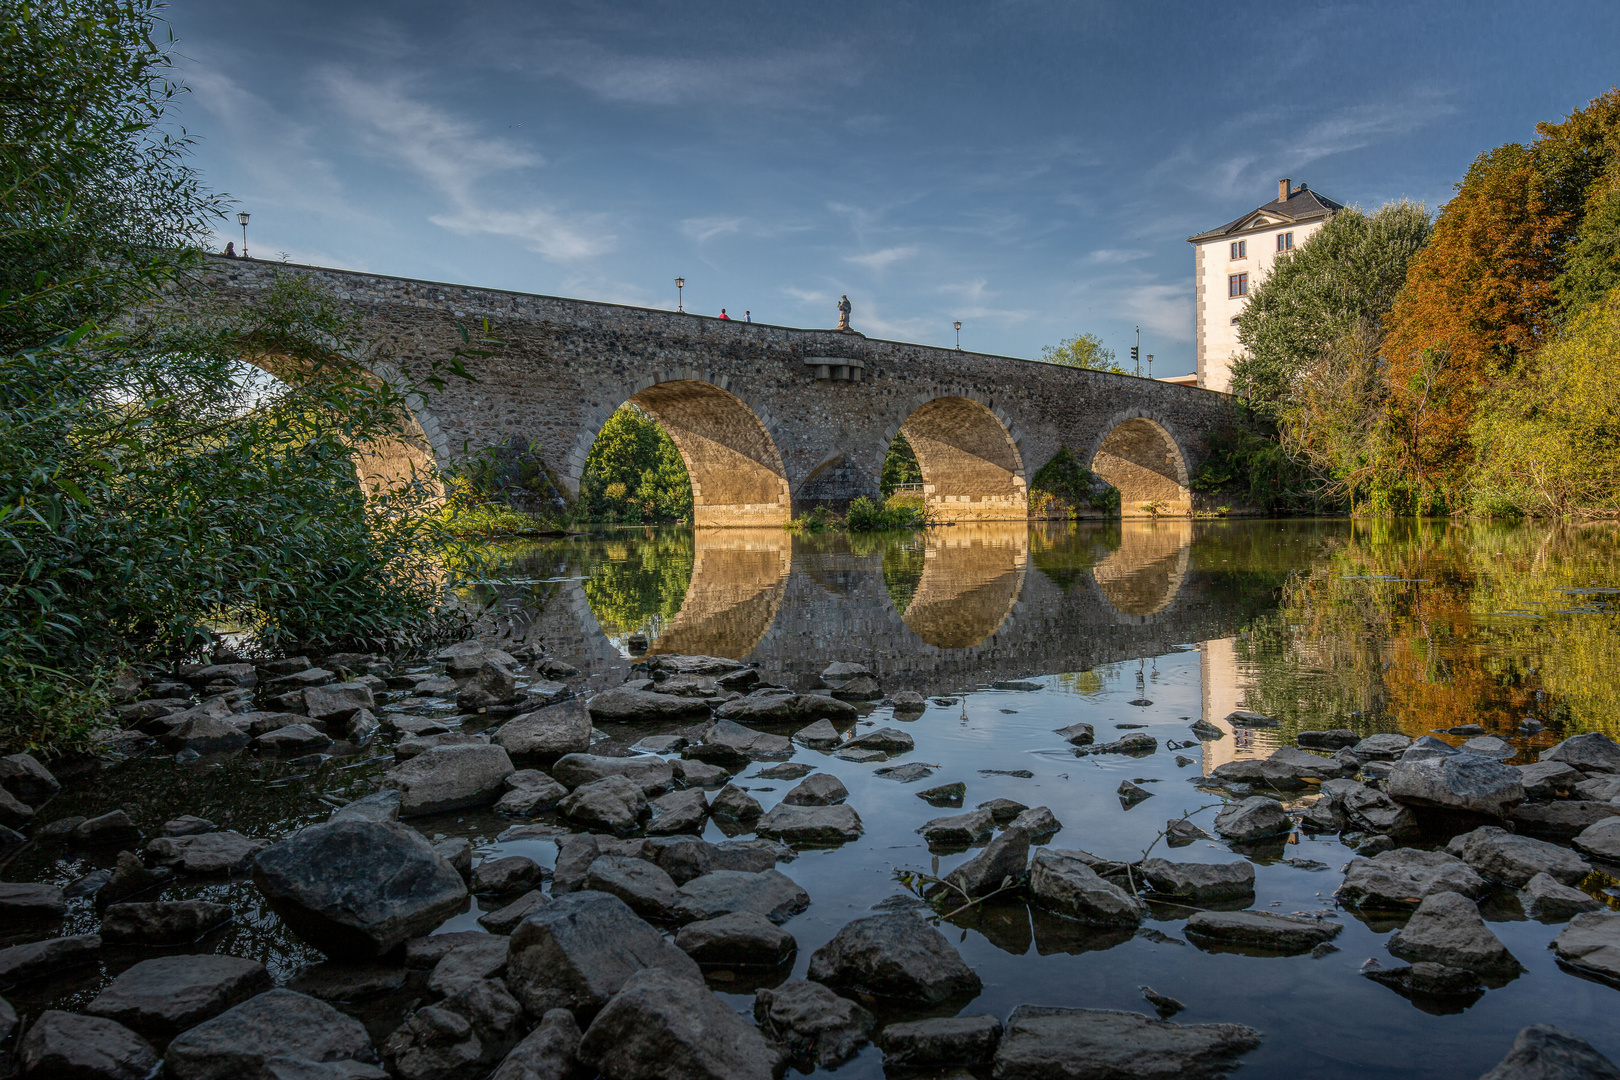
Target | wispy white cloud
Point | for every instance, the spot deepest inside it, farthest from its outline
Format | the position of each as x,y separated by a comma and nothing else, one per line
879,260
451,155
700,229
738,79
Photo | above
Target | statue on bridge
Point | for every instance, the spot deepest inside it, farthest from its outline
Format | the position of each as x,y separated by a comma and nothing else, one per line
843,312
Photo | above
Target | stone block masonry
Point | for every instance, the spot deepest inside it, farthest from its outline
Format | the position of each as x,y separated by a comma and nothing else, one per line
770,419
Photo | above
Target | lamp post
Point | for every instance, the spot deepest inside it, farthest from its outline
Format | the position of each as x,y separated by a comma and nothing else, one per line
680,283
957,324
241,219
1150,365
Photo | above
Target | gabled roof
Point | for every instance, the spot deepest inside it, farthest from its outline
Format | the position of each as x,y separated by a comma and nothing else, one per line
1302,204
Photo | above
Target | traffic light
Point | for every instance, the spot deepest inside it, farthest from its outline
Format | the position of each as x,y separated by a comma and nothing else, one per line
1136,353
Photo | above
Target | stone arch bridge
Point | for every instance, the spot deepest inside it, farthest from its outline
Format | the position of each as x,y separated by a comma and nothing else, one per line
770,420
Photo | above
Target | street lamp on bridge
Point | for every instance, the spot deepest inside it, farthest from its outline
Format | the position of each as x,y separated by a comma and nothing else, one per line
680,283
957,323
241,219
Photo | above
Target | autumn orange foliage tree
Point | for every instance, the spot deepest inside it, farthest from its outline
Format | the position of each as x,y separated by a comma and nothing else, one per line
1485,292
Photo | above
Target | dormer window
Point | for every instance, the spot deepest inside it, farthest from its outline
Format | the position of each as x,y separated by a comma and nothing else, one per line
1240,249
1285,241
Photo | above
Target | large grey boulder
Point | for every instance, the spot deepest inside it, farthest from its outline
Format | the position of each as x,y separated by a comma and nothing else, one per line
648,890
629,704
563,728
770,893
459,1038
662,1027
529,791
1467,782
1402,878
71,1047
675,664
1264,930
445,778
465,657
492,684
27,779
577,951
1513,860
161,997
958,830
205,735
19,963
738,938
392,886
1601,840
1255,818
505,875
1200,882
1447,929
1065,881
652,774
1592,752
768,708
1546,1052
613,804
1549,779
206,854
162,922
679,812
1386,747
810,826
941,1042
726,742
815,1024
1591,944
1068,1044
1287,769
1550,901
277,1023
467,964
894,956
1369,809
1562,819
817,789
24,901
549,1052
887,739
337,702
1005,859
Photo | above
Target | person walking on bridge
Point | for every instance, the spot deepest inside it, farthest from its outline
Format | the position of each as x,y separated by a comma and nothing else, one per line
724,316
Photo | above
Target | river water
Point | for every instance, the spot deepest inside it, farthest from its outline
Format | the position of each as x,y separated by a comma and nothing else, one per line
1012,632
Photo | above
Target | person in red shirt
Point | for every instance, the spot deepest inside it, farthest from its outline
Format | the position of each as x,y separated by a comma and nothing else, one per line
724,316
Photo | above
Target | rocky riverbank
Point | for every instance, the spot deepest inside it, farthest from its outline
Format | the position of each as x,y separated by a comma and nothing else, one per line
408,943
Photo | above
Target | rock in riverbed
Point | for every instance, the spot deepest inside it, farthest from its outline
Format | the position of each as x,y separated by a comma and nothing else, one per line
1282,934
161,997
164,922
393,886
1404,877
815,1024
1200,882
614,804
770,893
1513,860
564,728
652,774
1547,900
277,1023
66,1045
1064,881
939,1043
894,956
1593,752
810,826
450,778
1047,1043
661,1025
1465,782
736,938
1447,929
1255,818
577,951
1545,1052
1591,944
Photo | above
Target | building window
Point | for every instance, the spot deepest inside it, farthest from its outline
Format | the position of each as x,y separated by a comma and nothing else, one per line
1285,241
1240,249
1237,285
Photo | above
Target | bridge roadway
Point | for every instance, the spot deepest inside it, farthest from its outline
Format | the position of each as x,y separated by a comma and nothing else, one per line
770,419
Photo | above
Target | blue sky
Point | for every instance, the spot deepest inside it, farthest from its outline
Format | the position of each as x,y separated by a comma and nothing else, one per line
1032,169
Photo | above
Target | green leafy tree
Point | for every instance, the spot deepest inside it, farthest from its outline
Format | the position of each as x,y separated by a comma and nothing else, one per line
899,466
153,484
1343,278
634,473
1082,351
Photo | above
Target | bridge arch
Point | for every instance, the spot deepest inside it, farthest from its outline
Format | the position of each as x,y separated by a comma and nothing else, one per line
1141,578
1139,455
737,474
972,469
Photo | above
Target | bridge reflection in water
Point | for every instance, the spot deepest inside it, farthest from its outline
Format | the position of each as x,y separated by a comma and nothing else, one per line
937,611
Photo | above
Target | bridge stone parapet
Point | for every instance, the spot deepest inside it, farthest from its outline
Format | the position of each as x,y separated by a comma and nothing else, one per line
769,419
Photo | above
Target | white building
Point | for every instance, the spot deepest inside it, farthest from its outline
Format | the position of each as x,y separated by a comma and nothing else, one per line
1229,262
